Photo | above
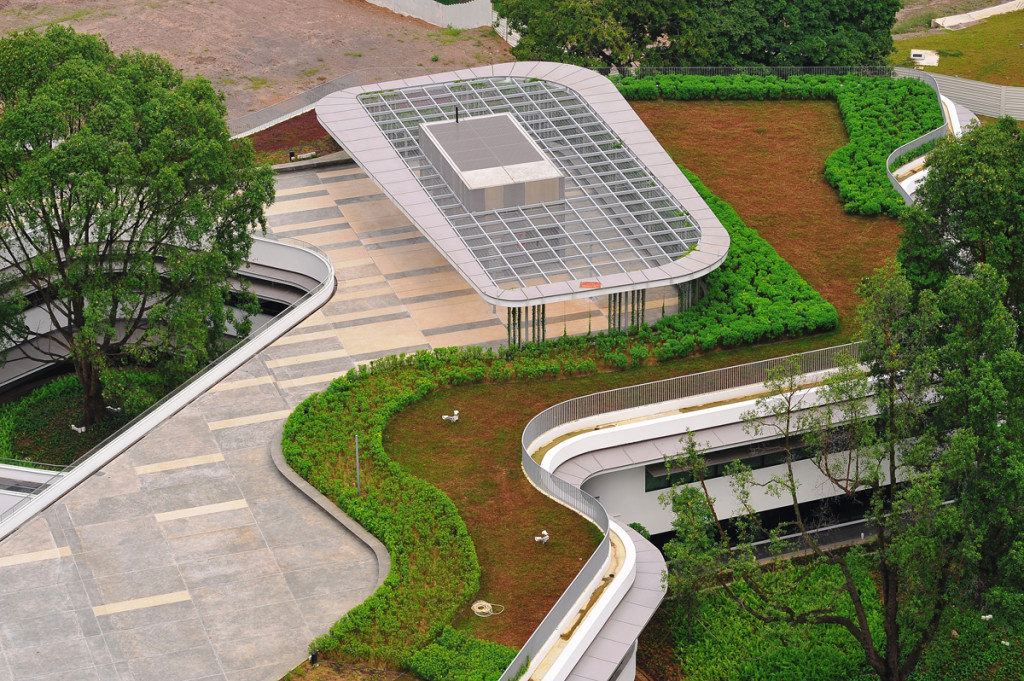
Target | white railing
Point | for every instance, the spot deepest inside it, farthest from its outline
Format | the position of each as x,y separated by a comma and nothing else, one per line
615,400
137,428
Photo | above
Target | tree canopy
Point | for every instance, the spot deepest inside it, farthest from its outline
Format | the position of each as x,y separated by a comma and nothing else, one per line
934,412
703,32
125,207
970,210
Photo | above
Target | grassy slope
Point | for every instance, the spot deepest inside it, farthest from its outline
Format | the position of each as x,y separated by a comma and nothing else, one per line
989,51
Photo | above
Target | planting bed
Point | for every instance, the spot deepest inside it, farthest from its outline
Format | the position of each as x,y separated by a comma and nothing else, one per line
302,134
766,160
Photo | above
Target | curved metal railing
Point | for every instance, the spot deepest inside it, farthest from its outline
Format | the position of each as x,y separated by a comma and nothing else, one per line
587,506
935,134
644,394
138,427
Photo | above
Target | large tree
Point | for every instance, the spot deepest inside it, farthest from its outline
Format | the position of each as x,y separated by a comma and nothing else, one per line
934,412
125,207
703,32
593,33
790,32
970,210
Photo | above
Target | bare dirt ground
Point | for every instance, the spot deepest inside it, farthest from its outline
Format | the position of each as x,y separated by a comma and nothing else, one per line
262,51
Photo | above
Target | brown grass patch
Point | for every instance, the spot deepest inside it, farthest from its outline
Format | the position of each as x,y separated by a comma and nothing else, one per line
766,159
477,463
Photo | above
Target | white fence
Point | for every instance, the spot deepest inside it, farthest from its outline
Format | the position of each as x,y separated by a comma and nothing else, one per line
985,99
466,15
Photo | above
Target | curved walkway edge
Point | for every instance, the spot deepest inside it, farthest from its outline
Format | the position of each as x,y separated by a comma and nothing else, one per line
374,544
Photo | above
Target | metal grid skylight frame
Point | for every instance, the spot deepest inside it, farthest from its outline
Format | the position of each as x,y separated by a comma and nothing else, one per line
616,217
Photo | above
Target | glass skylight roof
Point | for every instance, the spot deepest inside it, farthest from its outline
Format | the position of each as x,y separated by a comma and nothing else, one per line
616,217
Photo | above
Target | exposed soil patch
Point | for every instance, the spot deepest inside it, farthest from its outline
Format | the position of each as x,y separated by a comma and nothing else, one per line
262,51
766,160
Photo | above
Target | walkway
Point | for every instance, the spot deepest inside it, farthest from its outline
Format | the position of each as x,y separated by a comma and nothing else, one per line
190,556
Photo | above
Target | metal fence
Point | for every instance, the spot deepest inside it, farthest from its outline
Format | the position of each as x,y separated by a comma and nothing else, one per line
986,99
676,388
615,400
777,71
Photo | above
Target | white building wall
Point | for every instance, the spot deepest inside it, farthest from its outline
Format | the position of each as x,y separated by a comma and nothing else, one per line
471,14
623,496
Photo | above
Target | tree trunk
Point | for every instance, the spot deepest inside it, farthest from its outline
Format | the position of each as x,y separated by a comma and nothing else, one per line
92,392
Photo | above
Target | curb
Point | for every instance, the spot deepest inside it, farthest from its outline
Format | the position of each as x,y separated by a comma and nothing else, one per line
337,158
379,550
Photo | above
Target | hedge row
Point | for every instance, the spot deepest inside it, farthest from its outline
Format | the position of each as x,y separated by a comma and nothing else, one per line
755,295
434,568
881,114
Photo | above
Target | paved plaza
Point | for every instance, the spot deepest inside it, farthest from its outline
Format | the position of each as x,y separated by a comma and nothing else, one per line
191,556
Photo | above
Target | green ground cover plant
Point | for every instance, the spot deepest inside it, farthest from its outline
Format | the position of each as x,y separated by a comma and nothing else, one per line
718,641
754,296
989,51
880,114
457,655
36,428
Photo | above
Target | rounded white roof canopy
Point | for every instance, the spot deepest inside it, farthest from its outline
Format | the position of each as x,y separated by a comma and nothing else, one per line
628,220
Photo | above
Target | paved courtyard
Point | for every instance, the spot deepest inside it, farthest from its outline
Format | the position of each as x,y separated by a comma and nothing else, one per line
190,556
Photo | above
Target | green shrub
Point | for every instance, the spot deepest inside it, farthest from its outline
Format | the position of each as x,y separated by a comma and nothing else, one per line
457,656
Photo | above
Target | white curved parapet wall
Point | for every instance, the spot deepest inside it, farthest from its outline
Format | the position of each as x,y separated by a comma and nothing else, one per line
354,128
583,422
312,263
960,20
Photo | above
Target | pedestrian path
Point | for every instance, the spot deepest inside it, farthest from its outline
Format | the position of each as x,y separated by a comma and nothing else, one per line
190,556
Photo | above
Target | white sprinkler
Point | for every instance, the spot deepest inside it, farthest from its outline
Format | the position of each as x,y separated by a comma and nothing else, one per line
543,538
453,417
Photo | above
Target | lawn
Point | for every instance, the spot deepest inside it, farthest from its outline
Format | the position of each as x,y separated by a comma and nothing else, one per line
989,51
766,159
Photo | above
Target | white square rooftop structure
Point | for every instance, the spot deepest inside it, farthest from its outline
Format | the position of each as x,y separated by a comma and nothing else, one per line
490,162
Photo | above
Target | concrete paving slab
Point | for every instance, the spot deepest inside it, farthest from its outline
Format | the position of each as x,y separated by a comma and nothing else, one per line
261,579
